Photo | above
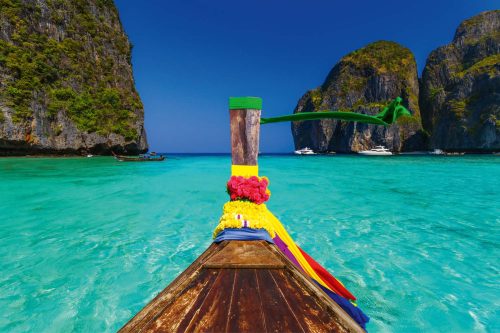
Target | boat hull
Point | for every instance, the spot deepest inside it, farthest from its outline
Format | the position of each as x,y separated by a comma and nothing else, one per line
137,159
123,158
242,286
375,153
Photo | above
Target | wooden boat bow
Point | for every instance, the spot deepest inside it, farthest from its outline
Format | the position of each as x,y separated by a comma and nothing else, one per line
243,285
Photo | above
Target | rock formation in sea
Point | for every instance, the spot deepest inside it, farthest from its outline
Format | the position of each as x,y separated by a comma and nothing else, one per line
66,83
363,81
460,88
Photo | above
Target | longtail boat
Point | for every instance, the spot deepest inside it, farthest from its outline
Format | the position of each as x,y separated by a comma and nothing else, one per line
253,277
151,158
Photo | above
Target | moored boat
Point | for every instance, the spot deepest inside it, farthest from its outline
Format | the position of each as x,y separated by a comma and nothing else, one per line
304,151
377,151
437,152
140,158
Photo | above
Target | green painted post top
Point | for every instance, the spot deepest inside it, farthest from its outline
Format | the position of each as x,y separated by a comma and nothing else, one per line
245,103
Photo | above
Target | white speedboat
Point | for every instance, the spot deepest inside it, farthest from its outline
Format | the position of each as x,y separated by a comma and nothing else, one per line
304,151
437,152
377,151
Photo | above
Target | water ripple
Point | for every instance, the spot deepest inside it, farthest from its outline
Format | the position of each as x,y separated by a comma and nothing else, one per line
88,242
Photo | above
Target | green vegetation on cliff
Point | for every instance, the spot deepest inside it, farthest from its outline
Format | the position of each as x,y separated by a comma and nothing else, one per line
61,56
383,57
477,20
489,65
459,87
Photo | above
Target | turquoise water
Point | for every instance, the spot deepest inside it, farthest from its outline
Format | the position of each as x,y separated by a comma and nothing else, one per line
85,243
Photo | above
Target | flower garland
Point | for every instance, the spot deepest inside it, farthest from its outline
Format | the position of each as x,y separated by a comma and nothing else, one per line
245,214
253,189
246,208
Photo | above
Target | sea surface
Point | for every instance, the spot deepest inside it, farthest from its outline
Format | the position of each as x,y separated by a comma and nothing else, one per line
85,243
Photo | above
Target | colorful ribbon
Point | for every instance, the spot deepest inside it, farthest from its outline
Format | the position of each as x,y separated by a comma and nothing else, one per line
239,216
244,170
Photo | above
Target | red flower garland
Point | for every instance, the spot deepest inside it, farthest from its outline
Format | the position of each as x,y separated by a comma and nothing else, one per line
252,189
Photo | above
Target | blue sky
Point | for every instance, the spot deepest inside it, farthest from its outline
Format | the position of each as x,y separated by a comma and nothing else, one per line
189,56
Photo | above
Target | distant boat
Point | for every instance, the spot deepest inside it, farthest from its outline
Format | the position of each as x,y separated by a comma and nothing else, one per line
90,155
437,152
377,151
304,151
141,158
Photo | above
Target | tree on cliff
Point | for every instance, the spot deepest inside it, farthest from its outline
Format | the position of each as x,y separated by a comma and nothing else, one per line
66,78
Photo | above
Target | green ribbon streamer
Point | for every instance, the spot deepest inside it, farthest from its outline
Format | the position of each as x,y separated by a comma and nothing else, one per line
387,116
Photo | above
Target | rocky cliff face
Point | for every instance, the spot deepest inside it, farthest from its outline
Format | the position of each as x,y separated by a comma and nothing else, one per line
66,83
460,90
363,81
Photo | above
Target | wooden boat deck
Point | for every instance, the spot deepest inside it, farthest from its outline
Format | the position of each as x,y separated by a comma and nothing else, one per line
242,286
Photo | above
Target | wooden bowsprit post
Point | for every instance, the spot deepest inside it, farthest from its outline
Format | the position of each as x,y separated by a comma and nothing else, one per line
242,285
244,115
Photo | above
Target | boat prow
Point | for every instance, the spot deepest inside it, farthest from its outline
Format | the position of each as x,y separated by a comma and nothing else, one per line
242,286
253,278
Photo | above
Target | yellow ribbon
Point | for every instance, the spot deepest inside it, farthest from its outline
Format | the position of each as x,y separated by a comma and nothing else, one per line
260,217
287,239
244,170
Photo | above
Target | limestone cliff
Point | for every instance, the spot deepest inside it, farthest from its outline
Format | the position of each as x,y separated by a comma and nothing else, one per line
66,83
460,90
363,81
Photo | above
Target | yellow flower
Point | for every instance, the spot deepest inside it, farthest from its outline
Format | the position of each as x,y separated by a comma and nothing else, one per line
238,214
